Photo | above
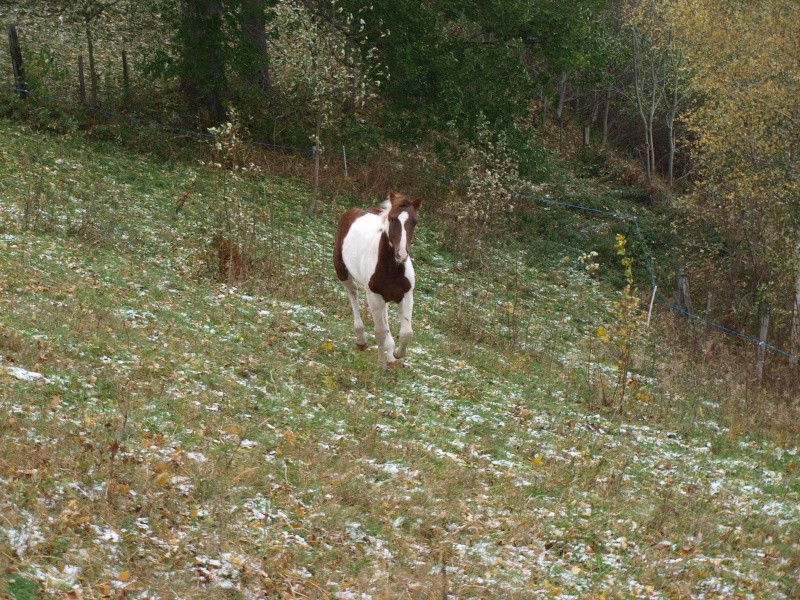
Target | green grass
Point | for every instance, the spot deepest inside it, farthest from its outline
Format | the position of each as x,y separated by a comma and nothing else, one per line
189,438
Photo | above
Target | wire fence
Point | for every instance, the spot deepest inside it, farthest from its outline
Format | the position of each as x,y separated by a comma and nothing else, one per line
656,294
653,284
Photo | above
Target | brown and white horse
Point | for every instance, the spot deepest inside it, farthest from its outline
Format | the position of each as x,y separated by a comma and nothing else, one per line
371,250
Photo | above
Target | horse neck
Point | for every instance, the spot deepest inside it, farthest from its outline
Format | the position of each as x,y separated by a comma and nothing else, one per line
386,256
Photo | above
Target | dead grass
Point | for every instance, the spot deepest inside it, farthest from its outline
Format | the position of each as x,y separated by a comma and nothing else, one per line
192,439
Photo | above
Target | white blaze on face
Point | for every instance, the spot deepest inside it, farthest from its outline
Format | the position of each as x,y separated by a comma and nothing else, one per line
401,253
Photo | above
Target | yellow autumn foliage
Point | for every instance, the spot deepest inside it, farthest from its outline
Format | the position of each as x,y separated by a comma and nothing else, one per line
742,65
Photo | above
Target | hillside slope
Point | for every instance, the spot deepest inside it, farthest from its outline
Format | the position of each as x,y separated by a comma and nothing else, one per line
168,436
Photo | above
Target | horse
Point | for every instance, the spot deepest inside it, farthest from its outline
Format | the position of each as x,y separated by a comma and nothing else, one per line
371,250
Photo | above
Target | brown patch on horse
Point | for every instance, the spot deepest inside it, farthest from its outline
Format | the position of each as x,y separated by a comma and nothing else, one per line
389,279
345,222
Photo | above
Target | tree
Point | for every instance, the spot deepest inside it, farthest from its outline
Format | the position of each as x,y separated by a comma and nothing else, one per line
317,67
658,77
217,49
89,10
742,59
85,13
202,61
567,50
255,66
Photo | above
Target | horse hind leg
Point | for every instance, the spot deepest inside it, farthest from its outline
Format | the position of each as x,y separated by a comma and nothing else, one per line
352,294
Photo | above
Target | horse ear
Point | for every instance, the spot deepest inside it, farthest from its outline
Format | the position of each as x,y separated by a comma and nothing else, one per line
392,196
417,202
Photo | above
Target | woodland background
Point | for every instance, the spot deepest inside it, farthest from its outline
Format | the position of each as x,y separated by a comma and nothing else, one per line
694,101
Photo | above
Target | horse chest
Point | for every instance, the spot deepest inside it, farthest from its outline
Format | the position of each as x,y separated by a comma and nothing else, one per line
390,280
370,261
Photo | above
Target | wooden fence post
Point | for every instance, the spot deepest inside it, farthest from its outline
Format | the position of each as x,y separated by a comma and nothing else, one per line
684,301
650,308
16,62
762,341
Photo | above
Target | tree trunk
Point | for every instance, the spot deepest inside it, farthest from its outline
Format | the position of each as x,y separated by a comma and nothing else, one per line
312,205
92,70
637,85
17,63
671,158
648,170
672,113
646,104
81,81
595,107
605,116
201,51
651,117
257,72
562,96
126,82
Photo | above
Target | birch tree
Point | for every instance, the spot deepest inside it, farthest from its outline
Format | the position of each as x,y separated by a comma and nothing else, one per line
658,78
317,67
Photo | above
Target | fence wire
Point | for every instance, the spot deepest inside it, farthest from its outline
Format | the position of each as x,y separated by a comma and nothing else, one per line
651,271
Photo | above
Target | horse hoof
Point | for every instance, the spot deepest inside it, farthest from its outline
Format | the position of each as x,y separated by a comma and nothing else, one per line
361,346
395,365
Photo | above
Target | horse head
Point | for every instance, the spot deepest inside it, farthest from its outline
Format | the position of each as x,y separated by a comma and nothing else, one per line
401,219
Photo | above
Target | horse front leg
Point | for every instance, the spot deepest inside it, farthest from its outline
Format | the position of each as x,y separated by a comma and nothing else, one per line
380,316
352,294
406,333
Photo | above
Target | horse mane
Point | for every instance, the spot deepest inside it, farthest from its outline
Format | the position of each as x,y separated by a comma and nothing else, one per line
386,206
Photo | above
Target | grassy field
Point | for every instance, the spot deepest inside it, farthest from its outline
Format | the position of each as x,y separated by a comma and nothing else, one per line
165,435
